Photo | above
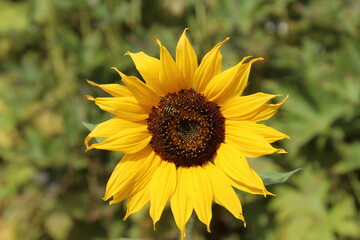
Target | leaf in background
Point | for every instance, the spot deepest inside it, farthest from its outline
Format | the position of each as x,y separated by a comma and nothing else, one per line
343,218
58,225
270,178
301,211
90,127
13,16
350,158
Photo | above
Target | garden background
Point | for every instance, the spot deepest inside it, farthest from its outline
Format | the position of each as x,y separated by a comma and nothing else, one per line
51,189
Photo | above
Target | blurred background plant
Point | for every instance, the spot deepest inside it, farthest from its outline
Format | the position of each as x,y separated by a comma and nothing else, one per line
51,189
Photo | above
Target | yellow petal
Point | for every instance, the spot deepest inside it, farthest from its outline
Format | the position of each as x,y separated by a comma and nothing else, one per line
260,190
142,92
248,143
127,140
227,84
267,111
201,193
138,201
130,189
224,194
127,108
170,76
131,174
186,59
236,167
113,89
243,81
209,67
130,167
269,133
162,187
109,128
181,204
148,67
245,107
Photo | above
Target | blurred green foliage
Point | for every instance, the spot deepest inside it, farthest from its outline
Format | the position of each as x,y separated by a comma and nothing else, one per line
51,189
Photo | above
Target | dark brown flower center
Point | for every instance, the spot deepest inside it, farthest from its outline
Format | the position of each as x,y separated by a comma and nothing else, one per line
186,128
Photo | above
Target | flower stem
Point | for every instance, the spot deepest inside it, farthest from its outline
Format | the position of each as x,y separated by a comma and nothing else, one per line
189,226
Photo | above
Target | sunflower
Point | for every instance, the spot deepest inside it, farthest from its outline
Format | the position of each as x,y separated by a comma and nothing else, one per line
186,132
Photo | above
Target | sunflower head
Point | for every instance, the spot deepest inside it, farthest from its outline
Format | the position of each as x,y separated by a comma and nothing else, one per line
185,131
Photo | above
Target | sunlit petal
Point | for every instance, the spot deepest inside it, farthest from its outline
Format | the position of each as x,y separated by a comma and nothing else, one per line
170,76
267,111
245,107
249,143
201,193
113,89
162,187
224,194
181,204
127,108
131,139
138,201
131,175
109,128
142,92
236,167
148,67
230,83
210,66
186,59
270,134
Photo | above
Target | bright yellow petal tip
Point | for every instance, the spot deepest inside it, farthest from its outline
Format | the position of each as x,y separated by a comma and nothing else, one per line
117,70
90,98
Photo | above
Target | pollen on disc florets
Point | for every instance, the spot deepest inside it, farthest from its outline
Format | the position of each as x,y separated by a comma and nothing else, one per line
186,128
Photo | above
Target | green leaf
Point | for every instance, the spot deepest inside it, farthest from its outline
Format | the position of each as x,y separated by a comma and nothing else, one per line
343,218
350,158
13,17
270,178
90,127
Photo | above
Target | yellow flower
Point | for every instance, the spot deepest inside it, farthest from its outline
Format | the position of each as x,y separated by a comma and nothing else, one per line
185,134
